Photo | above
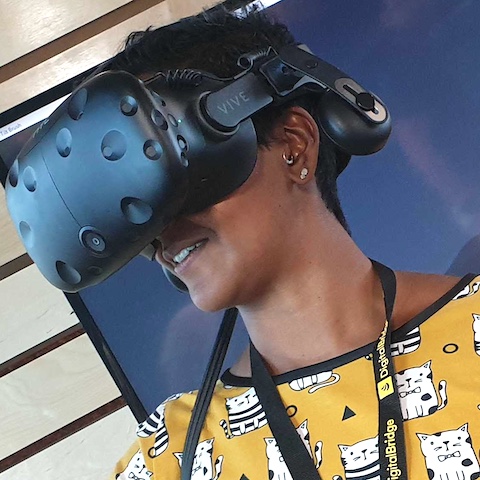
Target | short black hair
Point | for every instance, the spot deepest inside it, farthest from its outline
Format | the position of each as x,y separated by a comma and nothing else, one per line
213,41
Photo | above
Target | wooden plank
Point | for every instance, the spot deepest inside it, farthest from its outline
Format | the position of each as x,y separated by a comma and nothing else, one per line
61,434
41,349
89,454
31,311
88,53
75,37
51,392
14,266
33,24
10,245
189,7
77,59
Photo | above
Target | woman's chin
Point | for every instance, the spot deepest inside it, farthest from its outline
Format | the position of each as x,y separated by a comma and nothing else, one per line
209,307
207,300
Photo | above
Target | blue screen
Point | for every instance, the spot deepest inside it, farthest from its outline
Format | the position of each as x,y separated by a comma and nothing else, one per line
414,206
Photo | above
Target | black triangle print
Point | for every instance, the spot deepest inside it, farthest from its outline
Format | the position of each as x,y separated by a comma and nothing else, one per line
243,477
348,413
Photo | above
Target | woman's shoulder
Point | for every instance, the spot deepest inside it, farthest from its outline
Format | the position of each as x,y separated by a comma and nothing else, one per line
418,291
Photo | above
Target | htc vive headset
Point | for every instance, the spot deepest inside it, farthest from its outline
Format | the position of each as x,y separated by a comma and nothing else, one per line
120,159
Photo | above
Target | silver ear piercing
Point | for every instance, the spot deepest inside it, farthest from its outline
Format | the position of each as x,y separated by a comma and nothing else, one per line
290,159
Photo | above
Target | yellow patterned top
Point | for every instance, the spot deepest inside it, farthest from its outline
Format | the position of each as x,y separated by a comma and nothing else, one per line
335,410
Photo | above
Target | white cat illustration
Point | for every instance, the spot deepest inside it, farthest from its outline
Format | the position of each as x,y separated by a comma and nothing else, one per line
360,460
418,397
202,468
320,380
449,455
277,468
476,332
245,414
136,469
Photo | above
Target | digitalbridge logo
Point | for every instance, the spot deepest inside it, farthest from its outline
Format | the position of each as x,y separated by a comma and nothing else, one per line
385,387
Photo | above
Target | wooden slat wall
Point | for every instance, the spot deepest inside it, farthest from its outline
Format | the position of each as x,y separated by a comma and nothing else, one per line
87,454
61,416
42,22
44,318
51,392
89,50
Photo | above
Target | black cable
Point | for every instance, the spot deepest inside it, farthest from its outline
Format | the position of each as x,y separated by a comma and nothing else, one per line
206,390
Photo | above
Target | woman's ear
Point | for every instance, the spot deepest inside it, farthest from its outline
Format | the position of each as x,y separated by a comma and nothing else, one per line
301,138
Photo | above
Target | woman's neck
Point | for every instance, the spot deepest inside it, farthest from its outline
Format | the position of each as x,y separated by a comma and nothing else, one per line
295,336
328,302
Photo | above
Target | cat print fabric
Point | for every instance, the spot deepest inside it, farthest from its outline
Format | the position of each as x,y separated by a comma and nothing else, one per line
360,460
418,396
203,468
476,332
334,407
136,469
244,414
467,291
449,455
315,382
277,468
408,344
155,424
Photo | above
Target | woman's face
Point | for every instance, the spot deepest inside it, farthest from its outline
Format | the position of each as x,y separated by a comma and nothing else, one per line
242,247
242,244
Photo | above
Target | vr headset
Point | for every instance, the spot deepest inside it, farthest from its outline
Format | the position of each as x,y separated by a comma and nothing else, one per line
120,159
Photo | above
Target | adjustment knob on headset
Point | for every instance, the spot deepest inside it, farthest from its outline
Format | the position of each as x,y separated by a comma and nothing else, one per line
365,101
351,131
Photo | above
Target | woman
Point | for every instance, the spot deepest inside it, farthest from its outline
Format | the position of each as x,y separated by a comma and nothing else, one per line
278,248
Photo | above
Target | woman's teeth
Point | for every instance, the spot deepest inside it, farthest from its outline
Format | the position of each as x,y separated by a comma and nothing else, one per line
180,257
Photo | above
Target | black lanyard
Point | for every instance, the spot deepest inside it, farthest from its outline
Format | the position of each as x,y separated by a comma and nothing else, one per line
391,440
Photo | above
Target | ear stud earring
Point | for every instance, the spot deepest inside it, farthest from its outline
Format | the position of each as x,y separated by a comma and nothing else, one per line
303,173
290,159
